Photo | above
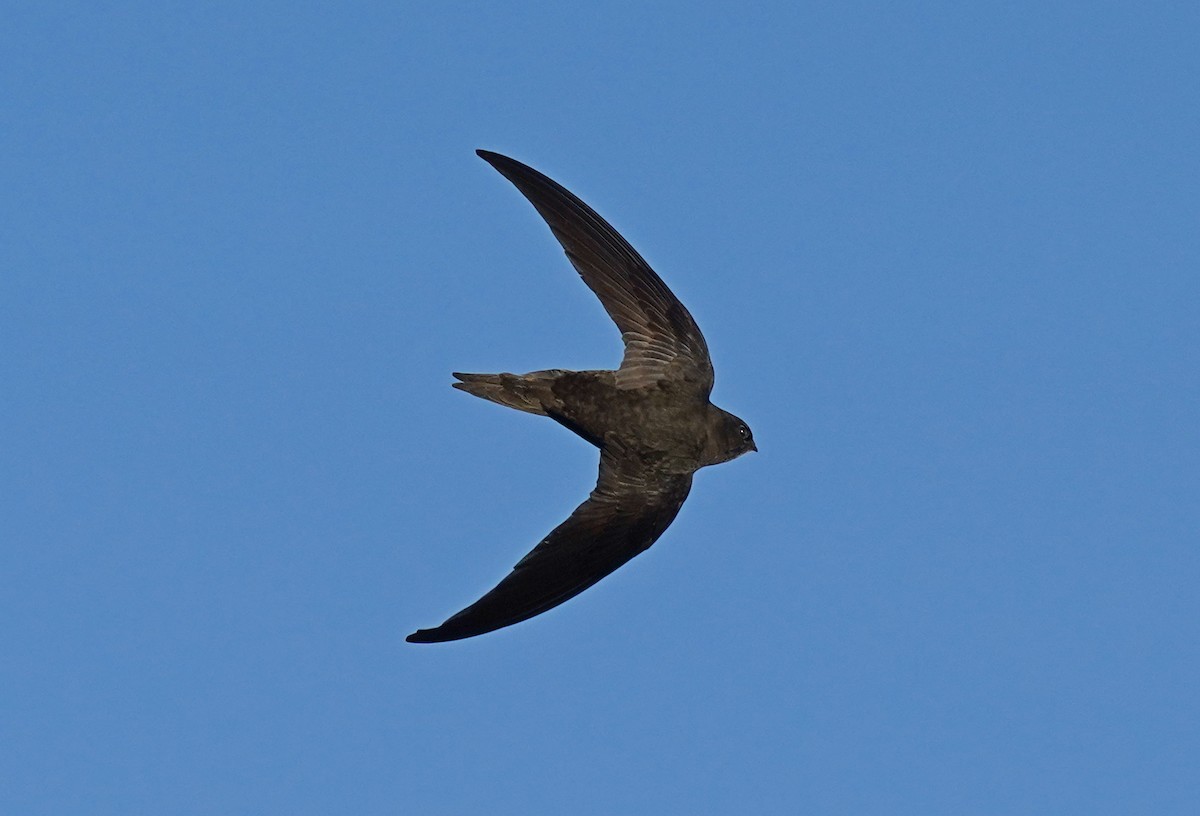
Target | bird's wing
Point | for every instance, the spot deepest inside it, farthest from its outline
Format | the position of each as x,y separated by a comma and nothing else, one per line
629,509
661,338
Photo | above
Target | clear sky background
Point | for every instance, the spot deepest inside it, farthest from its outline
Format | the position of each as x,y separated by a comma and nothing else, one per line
947,259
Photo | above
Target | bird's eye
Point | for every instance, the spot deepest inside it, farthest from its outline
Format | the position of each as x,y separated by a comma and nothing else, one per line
744,432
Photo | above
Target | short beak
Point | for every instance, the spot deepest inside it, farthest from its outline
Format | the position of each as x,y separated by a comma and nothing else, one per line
753,447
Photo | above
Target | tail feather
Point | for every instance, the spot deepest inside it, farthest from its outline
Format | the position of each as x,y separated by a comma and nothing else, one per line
525,392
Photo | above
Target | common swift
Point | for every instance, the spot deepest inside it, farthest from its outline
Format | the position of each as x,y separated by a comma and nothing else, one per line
651,418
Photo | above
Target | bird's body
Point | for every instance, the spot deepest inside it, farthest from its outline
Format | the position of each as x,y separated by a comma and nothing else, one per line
662,420
651,419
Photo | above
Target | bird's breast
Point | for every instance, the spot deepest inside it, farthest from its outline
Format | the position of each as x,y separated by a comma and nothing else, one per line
654,420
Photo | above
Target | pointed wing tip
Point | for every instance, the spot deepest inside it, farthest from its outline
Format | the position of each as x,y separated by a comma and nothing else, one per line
448,631
506,166
424,636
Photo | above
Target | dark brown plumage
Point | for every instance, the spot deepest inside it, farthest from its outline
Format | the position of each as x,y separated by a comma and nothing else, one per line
651,419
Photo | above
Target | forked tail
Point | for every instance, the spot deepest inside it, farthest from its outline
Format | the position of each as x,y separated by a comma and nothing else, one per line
530,392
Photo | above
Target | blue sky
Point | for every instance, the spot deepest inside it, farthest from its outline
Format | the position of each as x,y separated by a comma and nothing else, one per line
947,259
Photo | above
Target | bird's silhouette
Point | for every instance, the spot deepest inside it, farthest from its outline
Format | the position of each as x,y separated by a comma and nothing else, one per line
651,419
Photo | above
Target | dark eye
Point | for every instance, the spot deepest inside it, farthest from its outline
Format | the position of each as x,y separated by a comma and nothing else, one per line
743,432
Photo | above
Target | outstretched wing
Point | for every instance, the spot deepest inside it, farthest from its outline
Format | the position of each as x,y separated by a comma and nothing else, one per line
629,509
661,338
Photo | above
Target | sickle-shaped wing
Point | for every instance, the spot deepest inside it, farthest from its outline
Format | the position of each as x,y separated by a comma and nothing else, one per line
661,338
626,513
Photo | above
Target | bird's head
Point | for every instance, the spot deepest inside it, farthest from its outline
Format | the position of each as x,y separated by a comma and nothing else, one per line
728,438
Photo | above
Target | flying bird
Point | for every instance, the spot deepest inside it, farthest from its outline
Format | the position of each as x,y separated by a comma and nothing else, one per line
651,418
